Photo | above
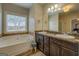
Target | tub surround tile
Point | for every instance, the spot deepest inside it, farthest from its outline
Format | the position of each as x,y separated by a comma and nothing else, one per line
14,40
16,44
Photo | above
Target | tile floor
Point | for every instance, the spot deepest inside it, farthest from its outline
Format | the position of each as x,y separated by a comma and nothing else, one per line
32,53
39,53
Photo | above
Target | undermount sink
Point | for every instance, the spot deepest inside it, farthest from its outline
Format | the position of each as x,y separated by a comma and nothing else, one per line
65,36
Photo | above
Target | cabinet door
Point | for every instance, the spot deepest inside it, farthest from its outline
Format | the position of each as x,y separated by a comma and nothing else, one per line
40,42
46,45
54,49
36,37
68,52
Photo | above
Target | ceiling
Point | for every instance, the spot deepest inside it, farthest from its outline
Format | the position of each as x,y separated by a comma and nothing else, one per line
29,5
25,5
74,7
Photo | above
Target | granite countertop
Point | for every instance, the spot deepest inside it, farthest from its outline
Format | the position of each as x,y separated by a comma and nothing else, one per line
73,39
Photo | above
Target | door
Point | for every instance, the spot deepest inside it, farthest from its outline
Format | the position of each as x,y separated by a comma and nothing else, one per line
54,48
46,45
39,40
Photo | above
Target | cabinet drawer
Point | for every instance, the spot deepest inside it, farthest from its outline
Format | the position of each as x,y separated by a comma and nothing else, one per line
46,41
70,45
46,47
66,44
68,52
57,41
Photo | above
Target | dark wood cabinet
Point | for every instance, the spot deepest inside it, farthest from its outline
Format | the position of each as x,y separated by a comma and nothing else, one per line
46,45
56,47
39,40
68,52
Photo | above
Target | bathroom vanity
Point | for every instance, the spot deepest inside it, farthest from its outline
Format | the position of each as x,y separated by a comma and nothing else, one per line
55,44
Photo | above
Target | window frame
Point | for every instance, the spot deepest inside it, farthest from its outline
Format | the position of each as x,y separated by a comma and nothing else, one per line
5,21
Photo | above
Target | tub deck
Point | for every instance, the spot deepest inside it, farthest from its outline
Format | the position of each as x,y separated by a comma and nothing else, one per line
16,44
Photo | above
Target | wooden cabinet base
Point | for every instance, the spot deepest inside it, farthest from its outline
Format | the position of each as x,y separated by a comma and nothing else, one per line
51,46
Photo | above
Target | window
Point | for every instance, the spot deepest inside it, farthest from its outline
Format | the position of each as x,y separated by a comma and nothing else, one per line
15,23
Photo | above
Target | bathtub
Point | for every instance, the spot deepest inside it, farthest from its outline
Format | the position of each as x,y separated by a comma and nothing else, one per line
16,44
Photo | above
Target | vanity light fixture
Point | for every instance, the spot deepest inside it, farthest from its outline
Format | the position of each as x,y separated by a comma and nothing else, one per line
59,8
48,9
54,8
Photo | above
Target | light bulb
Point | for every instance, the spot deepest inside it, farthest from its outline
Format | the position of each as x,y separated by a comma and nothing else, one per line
59,8
55,10
56,5
52,7
48,9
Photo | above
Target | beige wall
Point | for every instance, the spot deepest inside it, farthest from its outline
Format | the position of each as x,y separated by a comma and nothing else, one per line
13,9
65,21
31,21
45,17
0,19
39,13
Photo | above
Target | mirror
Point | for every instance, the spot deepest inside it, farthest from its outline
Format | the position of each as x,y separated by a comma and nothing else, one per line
64,20
75,25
